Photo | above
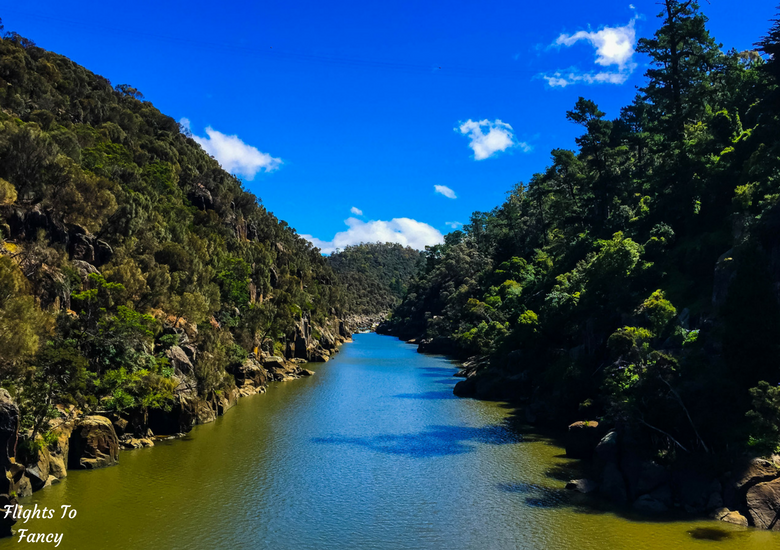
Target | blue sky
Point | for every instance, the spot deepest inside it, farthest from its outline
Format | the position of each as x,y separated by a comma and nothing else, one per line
357,121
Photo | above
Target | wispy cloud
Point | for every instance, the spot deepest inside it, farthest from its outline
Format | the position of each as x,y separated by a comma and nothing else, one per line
488,138
446,191
614,47
356,211
233,154
560,79
453,225
405,231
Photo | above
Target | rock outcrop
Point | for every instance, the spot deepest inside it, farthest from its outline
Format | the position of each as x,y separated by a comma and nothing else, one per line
763,504
9,432
582,438
93,444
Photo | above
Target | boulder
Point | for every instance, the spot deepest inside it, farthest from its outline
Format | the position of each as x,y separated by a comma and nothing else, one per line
6,524
58,451
306,372
120,425
9,428
37,466
648,504
612,485
13,474
663,494
23,487
607,450
763,505
227,400
584,486
440,345
728,516
197,411
492,385
93,444
274,362
756,471
252,372
715,501
691,489
319,355
465,388
582,438
651,476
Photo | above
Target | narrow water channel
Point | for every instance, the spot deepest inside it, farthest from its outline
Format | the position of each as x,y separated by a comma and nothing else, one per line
373,452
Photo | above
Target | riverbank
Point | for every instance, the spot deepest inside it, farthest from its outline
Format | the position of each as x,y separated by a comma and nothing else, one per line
624,470
89,440
373,451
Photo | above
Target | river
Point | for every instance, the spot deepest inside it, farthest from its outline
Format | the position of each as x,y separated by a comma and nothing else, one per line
373,452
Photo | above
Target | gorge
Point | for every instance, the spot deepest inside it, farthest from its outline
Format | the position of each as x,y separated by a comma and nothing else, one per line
616,320
373,451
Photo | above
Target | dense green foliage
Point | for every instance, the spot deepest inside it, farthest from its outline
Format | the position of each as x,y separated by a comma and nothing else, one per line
636,278
375,276
121,237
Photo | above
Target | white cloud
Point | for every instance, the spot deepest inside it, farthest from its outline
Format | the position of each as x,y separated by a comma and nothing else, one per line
488,138
234,155
356,211
405,231
446,191
453,225
614,47
561,80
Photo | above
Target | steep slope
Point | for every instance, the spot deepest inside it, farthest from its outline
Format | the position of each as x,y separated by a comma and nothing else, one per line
137,278
636,279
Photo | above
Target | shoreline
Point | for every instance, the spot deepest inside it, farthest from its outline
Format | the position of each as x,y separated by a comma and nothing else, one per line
93,441
618,470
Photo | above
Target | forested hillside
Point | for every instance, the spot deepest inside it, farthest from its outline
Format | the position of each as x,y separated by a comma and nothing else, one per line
133,267
375,276
636,279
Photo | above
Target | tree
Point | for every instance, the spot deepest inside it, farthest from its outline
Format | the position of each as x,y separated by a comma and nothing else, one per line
22,323
59,368
682,53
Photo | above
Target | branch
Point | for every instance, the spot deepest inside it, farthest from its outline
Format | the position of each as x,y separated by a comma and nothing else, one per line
679,400
664,433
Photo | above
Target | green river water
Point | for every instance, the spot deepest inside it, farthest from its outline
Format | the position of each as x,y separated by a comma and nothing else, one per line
373,452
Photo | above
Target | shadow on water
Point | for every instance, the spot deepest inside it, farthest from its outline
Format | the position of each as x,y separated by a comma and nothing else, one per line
538,496
710,533
434,441
427,395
